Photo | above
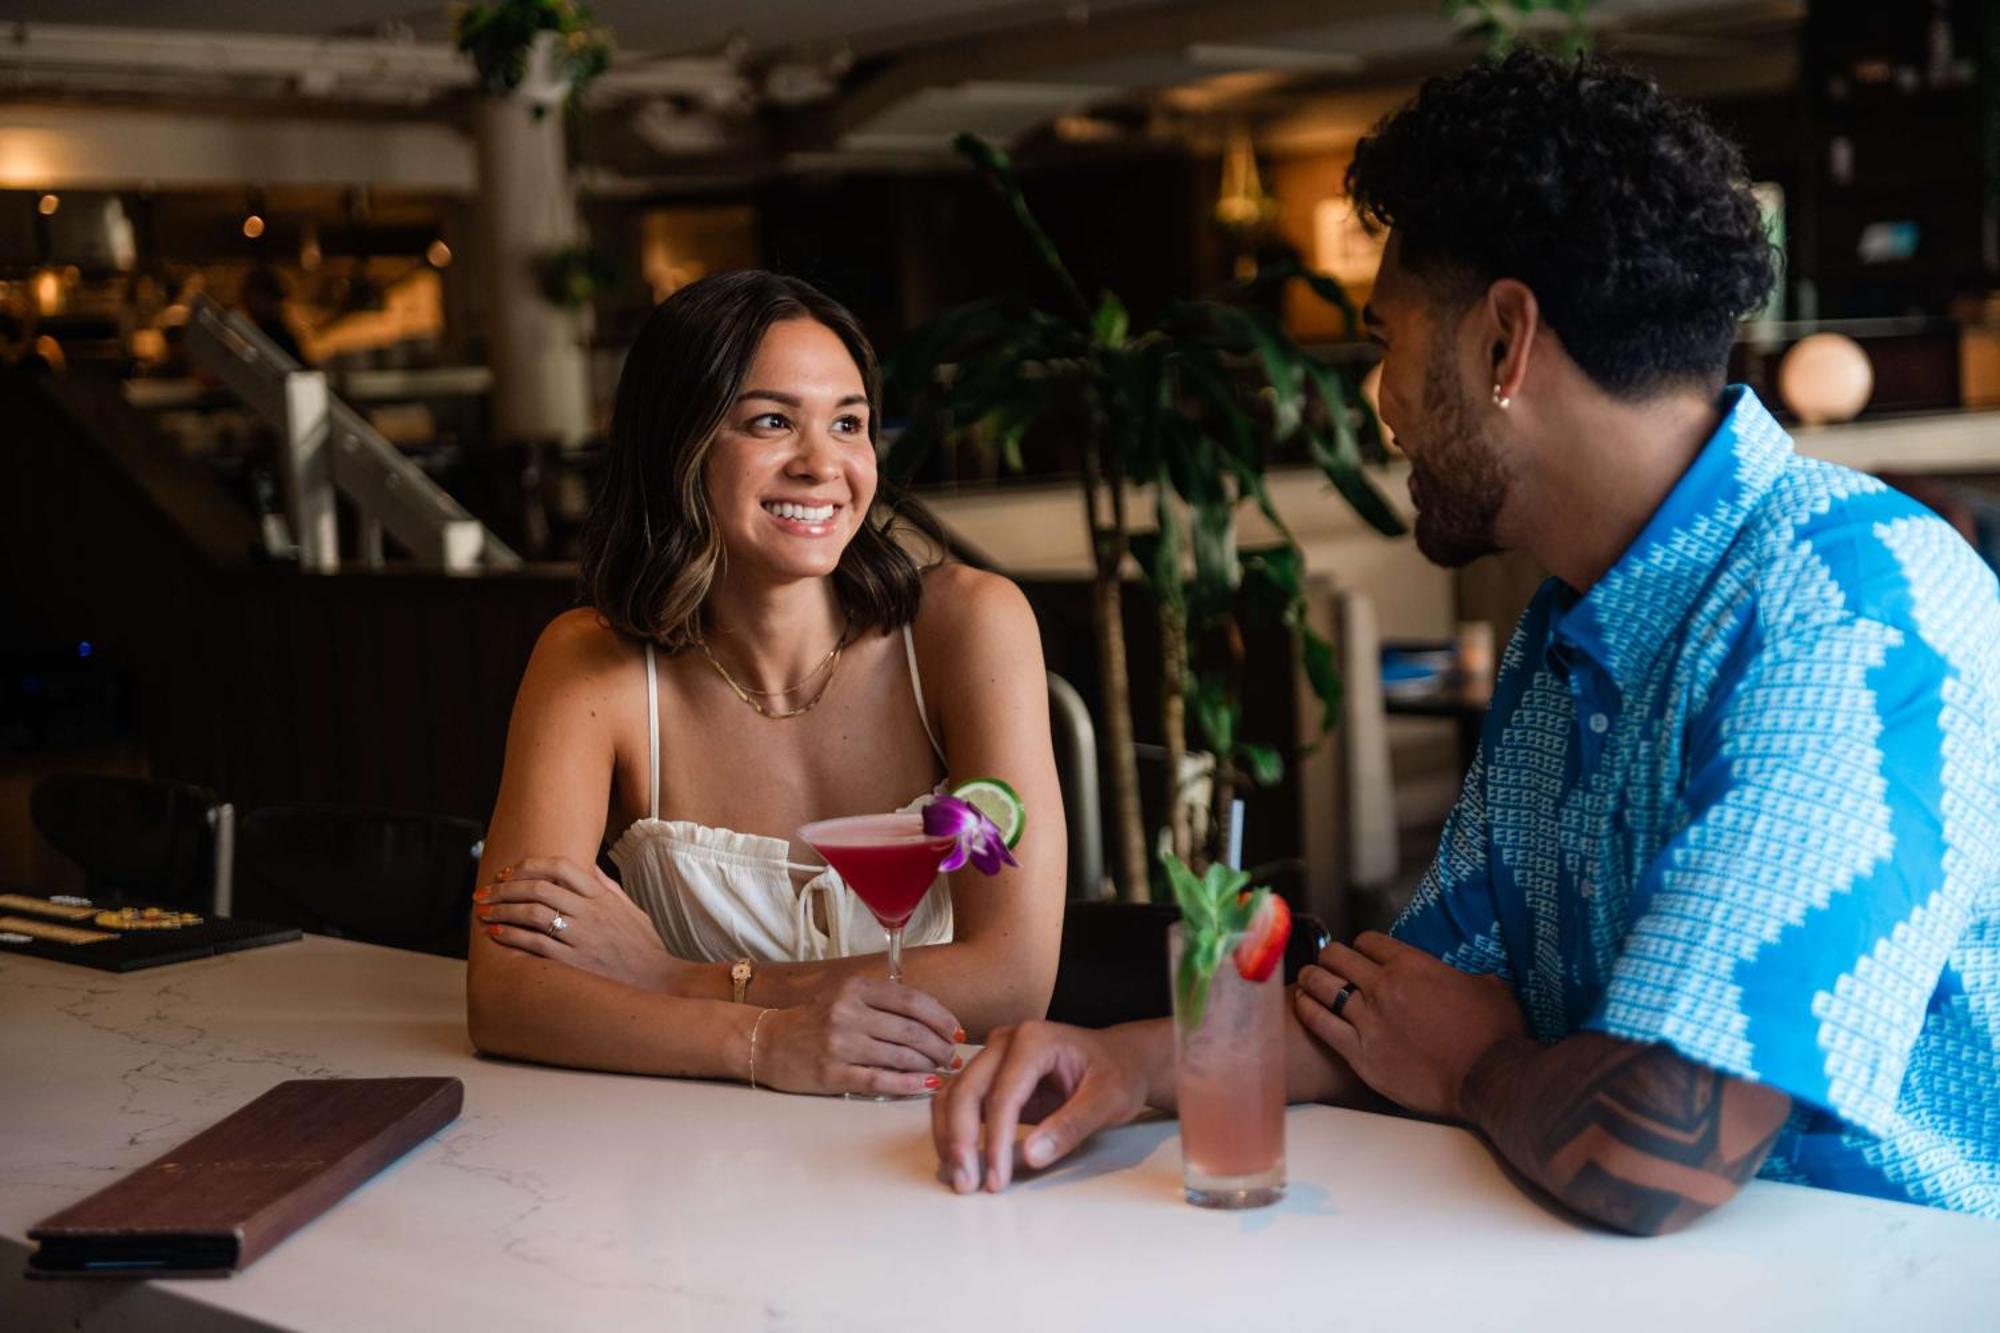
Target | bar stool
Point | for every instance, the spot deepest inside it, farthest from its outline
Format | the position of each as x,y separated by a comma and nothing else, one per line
386,877
139,840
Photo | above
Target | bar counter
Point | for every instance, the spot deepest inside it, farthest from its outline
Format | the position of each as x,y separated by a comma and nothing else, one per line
563,1199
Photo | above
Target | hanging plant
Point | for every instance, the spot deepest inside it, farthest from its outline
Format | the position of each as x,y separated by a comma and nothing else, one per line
1501,25
501,36
572,276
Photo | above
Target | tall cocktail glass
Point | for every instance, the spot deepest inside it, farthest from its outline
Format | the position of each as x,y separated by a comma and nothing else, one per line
890,863
1230,1072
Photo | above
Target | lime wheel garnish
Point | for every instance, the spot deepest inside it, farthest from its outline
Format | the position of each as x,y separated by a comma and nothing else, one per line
998,802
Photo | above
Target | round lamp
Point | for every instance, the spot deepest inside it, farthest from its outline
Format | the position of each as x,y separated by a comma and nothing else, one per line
1825,378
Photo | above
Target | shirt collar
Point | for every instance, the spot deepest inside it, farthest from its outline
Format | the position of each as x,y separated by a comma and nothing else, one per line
1631,613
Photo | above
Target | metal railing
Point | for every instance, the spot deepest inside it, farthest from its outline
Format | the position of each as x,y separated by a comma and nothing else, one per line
327,448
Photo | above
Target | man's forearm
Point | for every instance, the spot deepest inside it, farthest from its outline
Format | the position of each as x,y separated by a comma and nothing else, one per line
1149,1044
1634,1137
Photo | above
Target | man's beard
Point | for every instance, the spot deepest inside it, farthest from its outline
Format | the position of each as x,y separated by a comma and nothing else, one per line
1457,479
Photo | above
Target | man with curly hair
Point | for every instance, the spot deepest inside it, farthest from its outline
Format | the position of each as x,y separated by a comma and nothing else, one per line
1721,894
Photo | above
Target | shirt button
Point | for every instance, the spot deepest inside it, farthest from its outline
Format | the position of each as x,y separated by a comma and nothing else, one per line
1590,888
1599,723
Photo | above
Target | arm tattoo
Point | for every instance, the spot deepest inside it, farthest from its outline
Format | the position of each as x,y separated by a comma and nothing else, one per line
1635,1137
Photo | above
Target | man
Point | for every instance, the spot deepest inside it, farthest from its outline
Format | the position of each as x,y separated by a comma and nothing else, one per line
1721,895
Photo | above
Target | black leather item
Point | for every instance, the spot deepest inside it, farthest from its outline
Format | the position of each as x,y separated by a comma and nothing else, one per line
378,876
138,840
1113,966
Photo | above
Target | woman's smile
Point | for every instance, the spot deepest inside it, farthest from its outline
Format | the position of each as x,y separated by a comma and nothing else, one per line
803,519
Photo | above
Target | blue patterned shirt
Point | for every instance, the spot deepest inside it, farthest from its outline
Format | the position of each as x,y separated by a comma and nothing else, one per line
1743,798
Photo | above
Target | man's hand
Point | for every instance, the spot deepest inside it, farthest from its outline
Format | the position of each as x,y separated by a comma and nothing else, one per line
1412,1027
1071,1082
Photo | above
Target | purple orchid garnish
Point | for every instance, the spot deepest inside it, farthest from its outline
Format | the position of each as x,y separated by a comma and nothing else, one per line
977,837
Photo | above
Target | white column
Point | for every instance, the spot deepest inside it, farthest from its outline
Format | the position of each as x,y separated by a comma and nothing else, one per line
526,206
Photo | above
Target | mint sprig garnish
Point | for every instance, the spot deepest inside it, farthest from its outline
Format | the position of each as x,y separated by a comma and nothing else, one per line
1215,912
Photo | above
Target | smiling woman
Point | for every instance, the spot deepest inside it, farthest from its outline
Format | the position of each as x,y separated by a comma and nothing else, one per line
722,373
752,659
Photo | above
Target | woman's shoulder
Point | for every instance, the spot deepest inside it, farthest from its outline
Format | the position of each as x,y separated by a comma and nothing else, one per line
960,601
974,620
579,649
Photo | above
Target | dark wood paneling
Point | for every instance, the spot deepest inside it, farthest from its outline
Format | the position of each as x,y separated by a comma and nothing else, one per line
373,689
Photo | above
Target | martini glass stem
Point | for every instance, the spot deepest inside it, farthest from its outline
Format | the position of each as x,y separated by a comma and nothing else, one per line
896,954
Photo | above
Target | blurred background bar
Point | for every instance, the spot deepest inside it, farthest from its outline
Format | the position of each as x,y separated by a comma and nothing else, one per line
309,326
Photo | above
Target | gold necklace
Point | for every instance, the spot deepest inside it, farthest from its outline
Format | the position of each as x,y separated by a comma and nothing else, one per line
832,656
829,664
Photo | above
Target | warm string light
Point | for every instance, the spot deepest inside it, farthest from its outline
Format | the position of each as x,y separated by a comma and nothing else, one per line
49,204
47,285
253,226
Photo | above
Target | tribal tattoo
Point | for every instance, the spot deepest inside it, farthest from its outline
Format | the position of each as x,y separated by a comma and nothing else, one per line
1636,1138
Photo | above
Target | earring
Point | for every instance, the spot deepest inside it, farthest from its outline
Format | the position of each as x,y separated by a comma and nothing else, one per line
1501,400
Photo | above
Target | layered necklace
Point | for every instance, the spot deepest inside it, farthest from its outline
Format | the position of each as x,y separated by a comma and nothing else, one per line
828,665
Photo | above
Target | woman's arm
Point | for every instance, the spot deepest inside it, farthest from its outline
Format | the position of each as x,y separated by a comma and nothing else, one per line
554,791
984,682
860,1035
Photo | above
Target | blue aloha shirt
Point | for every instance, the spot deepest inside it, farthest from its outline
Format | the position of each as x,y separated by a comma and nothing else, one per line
1743,798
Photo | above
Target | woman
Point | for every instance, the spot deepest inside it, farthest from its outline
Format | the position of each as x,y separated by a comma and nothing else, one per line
758,652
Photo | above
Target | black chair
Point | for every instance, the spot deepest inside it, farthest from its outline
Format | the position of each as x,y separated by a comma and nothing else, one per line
138,840
1113,964
377,876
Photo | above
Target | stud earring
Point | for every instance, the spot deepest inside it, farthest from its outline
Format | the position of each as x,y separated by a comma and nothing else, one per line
1501,400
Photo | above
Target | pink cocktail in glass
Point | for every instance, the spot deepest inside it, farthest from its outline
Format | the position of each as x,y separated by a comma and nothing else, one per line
1231,1083
890,863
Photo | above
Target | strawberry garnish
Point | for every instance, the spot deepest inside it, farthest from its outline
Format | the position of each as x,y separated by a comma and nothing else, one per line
1263,943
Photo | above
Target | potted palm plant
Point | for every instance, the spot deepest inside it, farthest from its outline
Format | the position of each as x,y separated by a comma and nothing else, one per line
1192,408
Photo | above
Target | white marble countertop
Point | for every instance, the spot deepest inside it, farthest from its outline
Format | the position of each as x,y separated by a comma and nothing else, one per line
571,1200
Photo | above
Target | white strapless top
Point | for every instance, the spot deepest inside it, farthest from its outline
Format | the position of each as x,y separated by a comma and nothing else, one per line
716,895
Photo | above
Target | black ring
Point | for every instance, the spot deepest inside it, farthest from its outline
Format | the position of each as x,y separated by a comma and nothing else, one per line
1340,1000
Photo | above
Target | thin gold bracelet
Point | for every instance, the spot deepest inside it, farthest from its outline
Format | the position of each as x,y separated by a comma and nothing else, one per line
762,1014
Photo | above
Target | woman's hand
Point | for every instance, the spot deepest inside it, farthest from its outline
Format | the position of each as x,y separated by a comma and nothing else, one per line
603,930
866,1034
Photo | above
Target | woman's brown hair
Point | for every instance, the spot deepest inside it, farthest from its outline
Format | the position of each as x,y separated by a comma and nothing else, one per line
650,545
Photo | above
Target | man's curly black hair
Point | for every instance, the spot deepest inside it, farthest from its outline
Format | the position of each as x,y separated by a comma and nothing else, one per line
1628,215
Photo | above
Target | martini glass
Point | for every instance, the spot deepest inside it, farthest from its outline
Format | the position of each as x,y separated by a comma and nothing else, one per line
890,863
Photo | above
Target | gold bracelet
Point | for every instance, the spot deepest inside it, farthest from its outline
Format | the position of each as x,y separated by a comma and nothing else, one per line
762,1014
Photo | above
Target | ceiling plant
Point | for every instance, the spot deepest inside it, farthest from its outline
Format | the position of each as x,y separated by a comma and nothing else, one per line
502,37
1501,25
